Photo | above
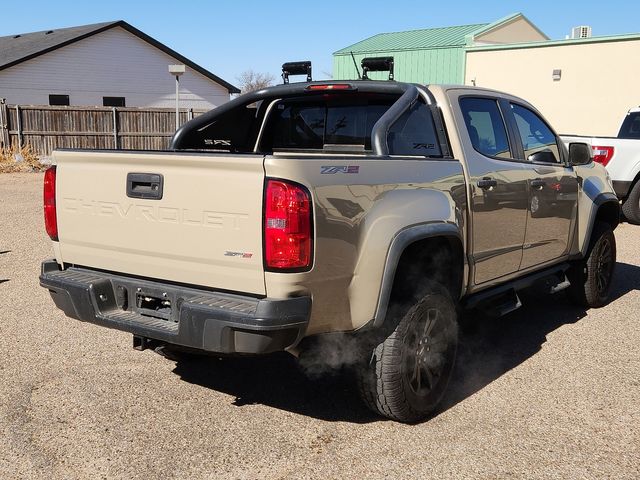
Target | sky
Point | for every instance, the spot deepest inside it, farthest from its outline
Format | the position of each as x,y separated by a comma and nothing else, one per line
228,38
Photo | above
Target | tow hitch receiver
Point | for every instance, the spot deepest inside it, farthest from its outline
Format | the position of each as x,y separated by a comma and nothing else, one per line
153,306
143,343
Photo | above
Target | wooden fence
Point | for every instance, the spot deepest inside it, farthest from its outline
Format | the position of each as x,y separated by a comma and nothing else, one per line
45,128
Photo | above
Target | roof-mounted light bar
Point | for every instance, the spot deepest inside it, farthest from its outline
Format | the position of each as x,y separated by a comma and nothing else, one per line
296,68
377,64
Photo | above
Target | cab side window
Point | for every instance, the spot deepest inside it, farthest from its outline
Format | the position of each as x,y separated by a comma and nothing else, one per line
538,141
486,127
414,133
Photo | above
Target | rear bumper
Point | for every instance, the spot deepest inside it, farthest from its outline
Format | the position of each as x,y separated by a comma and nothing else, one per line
198,319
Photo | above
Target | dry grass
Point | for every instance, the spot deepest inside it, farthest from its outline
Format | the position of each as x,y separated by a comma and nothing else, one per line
30,160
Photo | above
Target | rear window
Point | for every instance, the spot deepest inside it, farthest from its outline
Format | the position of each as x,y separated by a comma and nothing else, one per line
322,122
631,126
313,123
343,122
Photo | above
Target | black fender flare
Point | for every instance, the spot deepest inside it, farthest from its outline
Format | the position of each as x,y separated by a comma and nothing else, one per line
400,242
606,198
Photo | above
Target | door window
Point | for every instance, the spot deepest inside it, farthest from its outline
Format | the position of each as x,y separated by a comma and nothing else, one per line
538,141
486,127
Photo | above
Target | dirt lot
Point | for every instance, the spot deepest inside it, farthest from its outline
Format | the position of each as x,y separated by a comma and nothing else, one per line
550,391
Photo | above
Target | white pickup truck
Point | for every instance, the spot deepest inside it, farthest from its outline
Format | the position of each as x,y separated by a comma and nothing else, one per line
621,156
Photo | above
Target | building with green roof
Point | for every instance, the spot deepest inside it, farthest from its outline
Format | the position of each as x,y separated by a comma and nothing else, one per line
583,84
433,55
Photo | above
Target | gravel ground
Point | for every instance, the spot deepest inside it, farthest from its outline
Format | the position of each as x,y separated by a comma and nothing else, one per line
549,391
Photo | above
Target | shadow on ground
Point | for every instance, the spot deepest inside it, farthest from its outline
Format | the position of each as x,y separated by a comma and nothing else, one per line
488,349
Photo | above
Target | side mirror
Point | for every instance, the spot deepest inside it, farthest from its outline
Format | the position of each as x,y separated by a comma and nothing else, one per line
542,156
579,154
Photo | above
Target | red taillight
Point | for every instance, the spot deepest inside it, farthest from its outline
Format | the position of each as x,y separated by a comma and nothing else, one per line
287,226
50,216
602,155
330,86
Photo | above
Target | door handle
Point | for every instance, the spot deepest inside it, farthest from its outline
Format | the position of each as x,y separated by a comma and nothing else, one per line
487,182
145,185
538,183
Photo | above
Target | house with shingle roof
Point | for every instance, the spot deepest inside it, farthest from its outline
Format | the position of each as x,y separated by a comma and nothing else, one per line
104,64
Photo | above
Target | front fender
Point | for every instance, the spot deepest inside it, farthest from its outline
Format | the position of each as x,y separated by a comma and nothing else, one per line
596,191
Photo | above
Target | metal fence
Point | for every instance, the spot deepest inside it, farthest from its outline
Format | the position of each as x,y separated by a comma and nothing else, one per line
45,128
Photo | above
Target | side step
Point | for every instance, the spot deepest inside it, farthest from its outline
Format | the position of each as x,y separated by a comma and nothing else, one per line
500,304
503,299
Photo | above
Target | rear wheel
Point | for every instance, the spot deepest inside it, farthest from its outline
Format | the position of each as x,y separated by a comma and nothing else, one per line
591,277
407,372
631,205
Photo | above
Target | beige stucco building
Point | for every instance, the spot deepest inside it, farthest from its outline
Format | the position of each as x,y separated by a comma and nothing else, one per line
582,86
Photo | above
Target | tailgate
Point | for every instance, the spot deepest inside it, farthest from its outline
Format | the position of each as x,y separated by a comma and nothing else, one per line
205,230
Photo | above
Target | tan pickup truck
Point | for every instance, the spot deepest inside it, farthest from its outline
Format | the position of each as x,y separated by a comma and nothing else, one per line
368,210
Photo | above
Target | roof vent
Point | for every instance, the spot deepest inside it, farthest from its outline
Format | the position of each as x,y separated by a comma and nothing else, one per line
17,36
583,31
48,32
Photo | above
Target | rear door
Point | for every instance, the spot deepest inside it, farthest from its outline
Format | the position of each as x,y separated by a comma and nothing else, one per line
188,218
498,189
553,189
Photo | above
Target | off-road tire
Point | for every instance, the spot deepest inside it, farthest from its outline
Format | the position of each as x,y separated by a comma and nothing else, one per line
421,348
631,205
591,276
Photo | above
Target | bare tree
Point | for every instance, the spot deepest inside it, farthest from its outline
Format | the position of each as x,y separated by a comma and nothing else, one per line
251,81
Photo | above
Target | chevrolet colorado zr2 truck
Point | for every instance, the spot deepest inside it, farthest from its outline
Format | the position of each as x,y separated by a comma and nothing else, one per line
374,210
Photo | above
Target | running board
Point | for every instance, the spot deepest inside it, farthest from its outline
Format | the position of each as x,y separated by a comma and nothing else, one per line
503,299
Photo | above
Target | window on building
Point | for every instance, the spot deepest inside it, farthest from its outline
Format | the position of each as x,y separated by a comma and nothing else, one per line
486,127
113,102
58,99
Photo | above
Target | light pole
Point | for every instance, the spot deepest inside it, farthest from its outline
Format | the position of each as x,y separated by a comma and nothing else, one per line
176,71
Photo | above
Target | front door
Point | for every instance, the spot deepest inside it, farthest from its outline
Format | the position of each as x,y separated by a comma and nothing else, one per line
553,190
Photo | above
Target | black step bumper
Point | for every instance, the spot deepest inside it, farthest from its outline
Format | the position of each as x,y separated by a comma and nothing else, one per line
199,319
